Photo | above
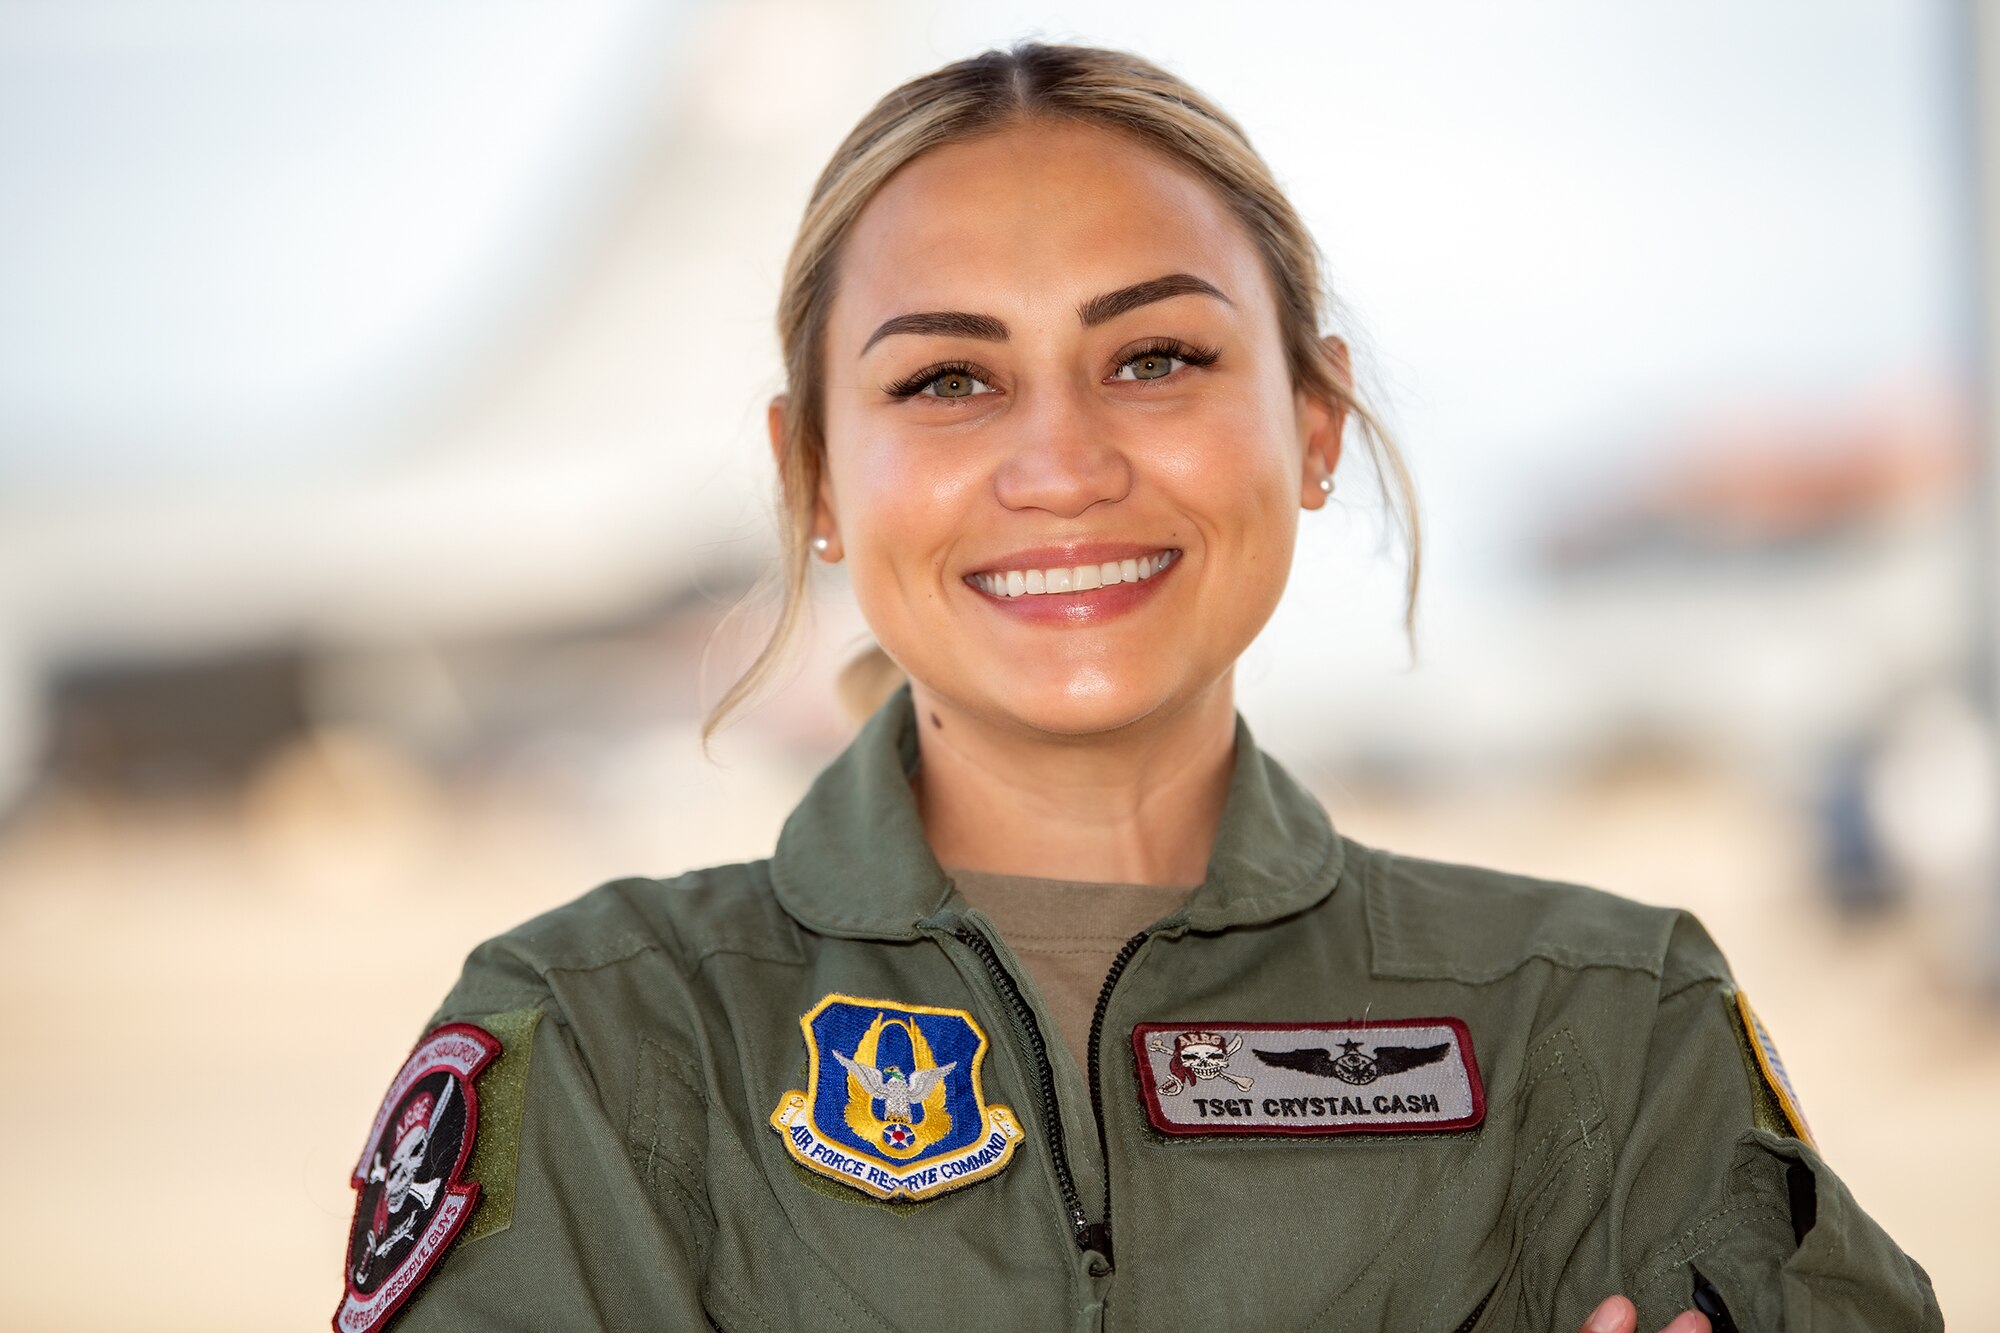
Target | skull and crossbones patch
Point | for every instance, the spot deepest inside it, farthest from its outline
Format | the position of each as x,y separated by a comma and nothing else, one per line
411,1202
1196,1057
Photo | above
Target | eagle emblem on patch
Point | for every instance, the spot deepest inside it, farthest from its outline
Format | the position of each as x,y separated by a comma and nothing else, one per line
893,1104
411,1202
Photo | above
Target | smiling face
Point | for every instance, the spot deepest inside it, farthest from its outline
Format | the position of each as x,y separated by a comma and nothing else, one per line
1061,512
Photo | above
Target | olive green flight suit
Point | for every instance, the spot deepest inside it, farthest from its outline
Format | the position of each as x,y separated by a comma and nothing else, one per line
631,1177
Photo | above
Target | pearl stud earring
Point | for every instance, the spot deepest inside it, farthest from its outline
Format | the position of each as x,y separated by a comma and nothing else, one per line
820,544
1326,485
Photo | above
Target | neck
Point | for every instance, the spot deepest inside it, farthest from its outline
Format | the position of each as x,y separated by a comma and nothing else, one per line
1135,806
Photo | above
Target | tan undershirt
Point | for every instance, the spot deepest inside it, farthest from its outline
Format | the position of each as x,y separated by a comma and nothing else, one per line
1066,933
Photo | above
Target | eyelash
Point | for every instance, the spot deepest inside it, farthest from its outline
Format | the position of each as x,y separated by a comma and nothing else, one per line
913,385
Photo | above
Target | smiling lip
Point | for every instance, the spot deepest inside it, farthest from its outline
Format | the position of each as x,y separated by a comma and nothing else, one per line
1068,553
1080,583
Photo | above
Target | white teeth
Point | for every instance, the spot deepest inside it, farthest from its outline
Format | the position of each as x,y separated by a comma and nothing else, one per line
1080,578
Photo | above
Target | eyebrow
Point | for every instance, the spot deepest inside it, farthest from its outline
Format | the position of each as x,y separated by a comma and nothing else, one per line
965,324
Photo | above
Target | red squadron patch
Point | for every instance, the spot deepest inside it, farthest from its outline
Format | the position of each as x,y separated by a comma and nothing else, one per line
410,1201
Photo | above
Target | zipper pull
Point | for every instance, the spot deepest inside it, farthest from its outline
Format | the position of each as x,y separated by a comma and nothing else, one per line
1097,1236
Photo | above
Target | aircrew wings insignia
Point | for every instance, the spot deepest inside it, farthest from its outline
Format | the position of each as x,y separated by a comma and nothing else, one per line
1352,1066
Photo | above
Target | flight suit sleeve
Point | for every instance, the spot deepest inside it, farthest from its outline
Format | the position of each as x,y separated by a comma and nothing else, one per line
1722,1201
573,1229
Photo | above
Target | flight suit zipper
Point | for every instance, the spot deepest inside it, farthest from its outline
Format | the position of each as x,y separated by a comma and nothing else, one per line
1045,1079
1089,1236
1126,953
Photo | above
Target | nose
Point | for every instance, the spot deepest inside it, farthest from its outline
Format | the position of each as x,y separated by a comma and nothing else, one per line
1065,456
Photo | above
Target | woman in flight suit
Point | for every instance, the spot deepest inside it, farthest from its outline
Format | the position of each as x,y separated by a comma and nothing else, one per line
1059,1004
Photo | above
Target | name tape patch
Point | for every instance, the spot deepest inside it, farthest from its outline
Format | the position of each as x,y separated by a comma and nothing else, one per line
1390,1076
893,1104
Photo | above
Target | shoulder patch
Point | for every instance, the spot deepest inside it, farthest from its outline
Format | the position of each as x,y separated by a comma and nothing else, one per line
1391,1076
893,1105
411,1196
1767,1070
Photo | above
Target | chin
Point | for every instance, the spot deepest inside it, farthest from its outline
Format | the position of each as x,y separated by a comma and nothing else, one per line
1081,702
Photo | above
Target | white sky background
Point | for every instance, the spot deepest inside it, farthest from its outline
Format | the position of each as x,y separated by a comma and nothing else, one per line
1545,215
1563,228
250,244
230,222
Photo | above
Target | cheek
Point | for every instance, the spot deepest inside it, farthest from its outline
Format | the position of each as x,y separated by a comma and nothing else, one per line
1233,472
899,504
1238,448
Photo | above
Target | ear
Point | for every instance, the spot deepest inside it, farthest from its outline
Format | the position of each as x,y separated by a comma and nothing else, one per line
774,421
823,524
1321,424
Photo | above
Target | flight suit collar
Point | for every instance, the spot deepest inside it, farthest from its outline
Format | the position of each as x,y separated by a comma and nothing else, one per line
852,860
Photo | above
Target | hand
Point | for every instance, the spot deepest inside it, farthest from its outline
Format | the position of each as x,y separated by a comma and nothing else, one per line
1618,1315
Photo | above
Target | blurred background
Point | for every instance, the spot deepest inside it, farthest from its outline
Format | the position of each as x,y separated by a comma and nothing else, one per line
381,447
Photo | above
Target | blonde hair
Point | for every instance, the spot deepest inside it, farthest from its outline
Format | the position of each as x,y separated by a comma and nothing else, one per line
978,96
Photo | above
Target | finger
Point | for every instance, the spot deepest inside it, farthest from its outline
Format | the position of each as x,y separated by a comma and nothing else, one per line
1616,1315
1688,1321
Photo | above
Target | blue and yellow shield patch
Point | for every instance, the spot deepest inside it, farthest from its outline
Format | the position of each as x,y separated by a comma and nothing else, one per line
893,1105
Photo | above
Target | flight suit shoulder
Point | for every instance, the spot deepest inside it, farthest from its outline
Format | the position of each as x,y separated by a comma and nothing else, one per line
1451,921
681,920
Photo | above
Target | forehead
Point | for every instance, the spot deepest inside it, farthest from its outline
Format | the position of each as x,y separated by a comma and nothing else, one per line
1033,219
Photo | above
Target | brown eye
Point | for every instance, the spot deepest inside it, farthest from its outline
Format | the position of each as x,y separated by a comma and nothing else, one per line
954,384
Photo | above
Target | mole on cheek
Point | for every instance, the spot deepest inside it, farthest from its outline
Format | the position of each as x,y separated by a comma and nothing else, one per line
935,721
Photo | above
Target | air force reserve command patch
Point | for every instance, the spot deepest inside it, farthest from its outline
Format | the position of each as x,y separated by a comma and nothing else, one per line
411,1200
893,1105
1394,1076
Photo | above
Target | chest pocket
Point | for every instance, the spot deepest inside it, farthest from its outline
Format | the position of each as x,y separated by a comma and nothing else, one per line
1483,1252
679,1149
666,1134
1561,1179
778,1247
